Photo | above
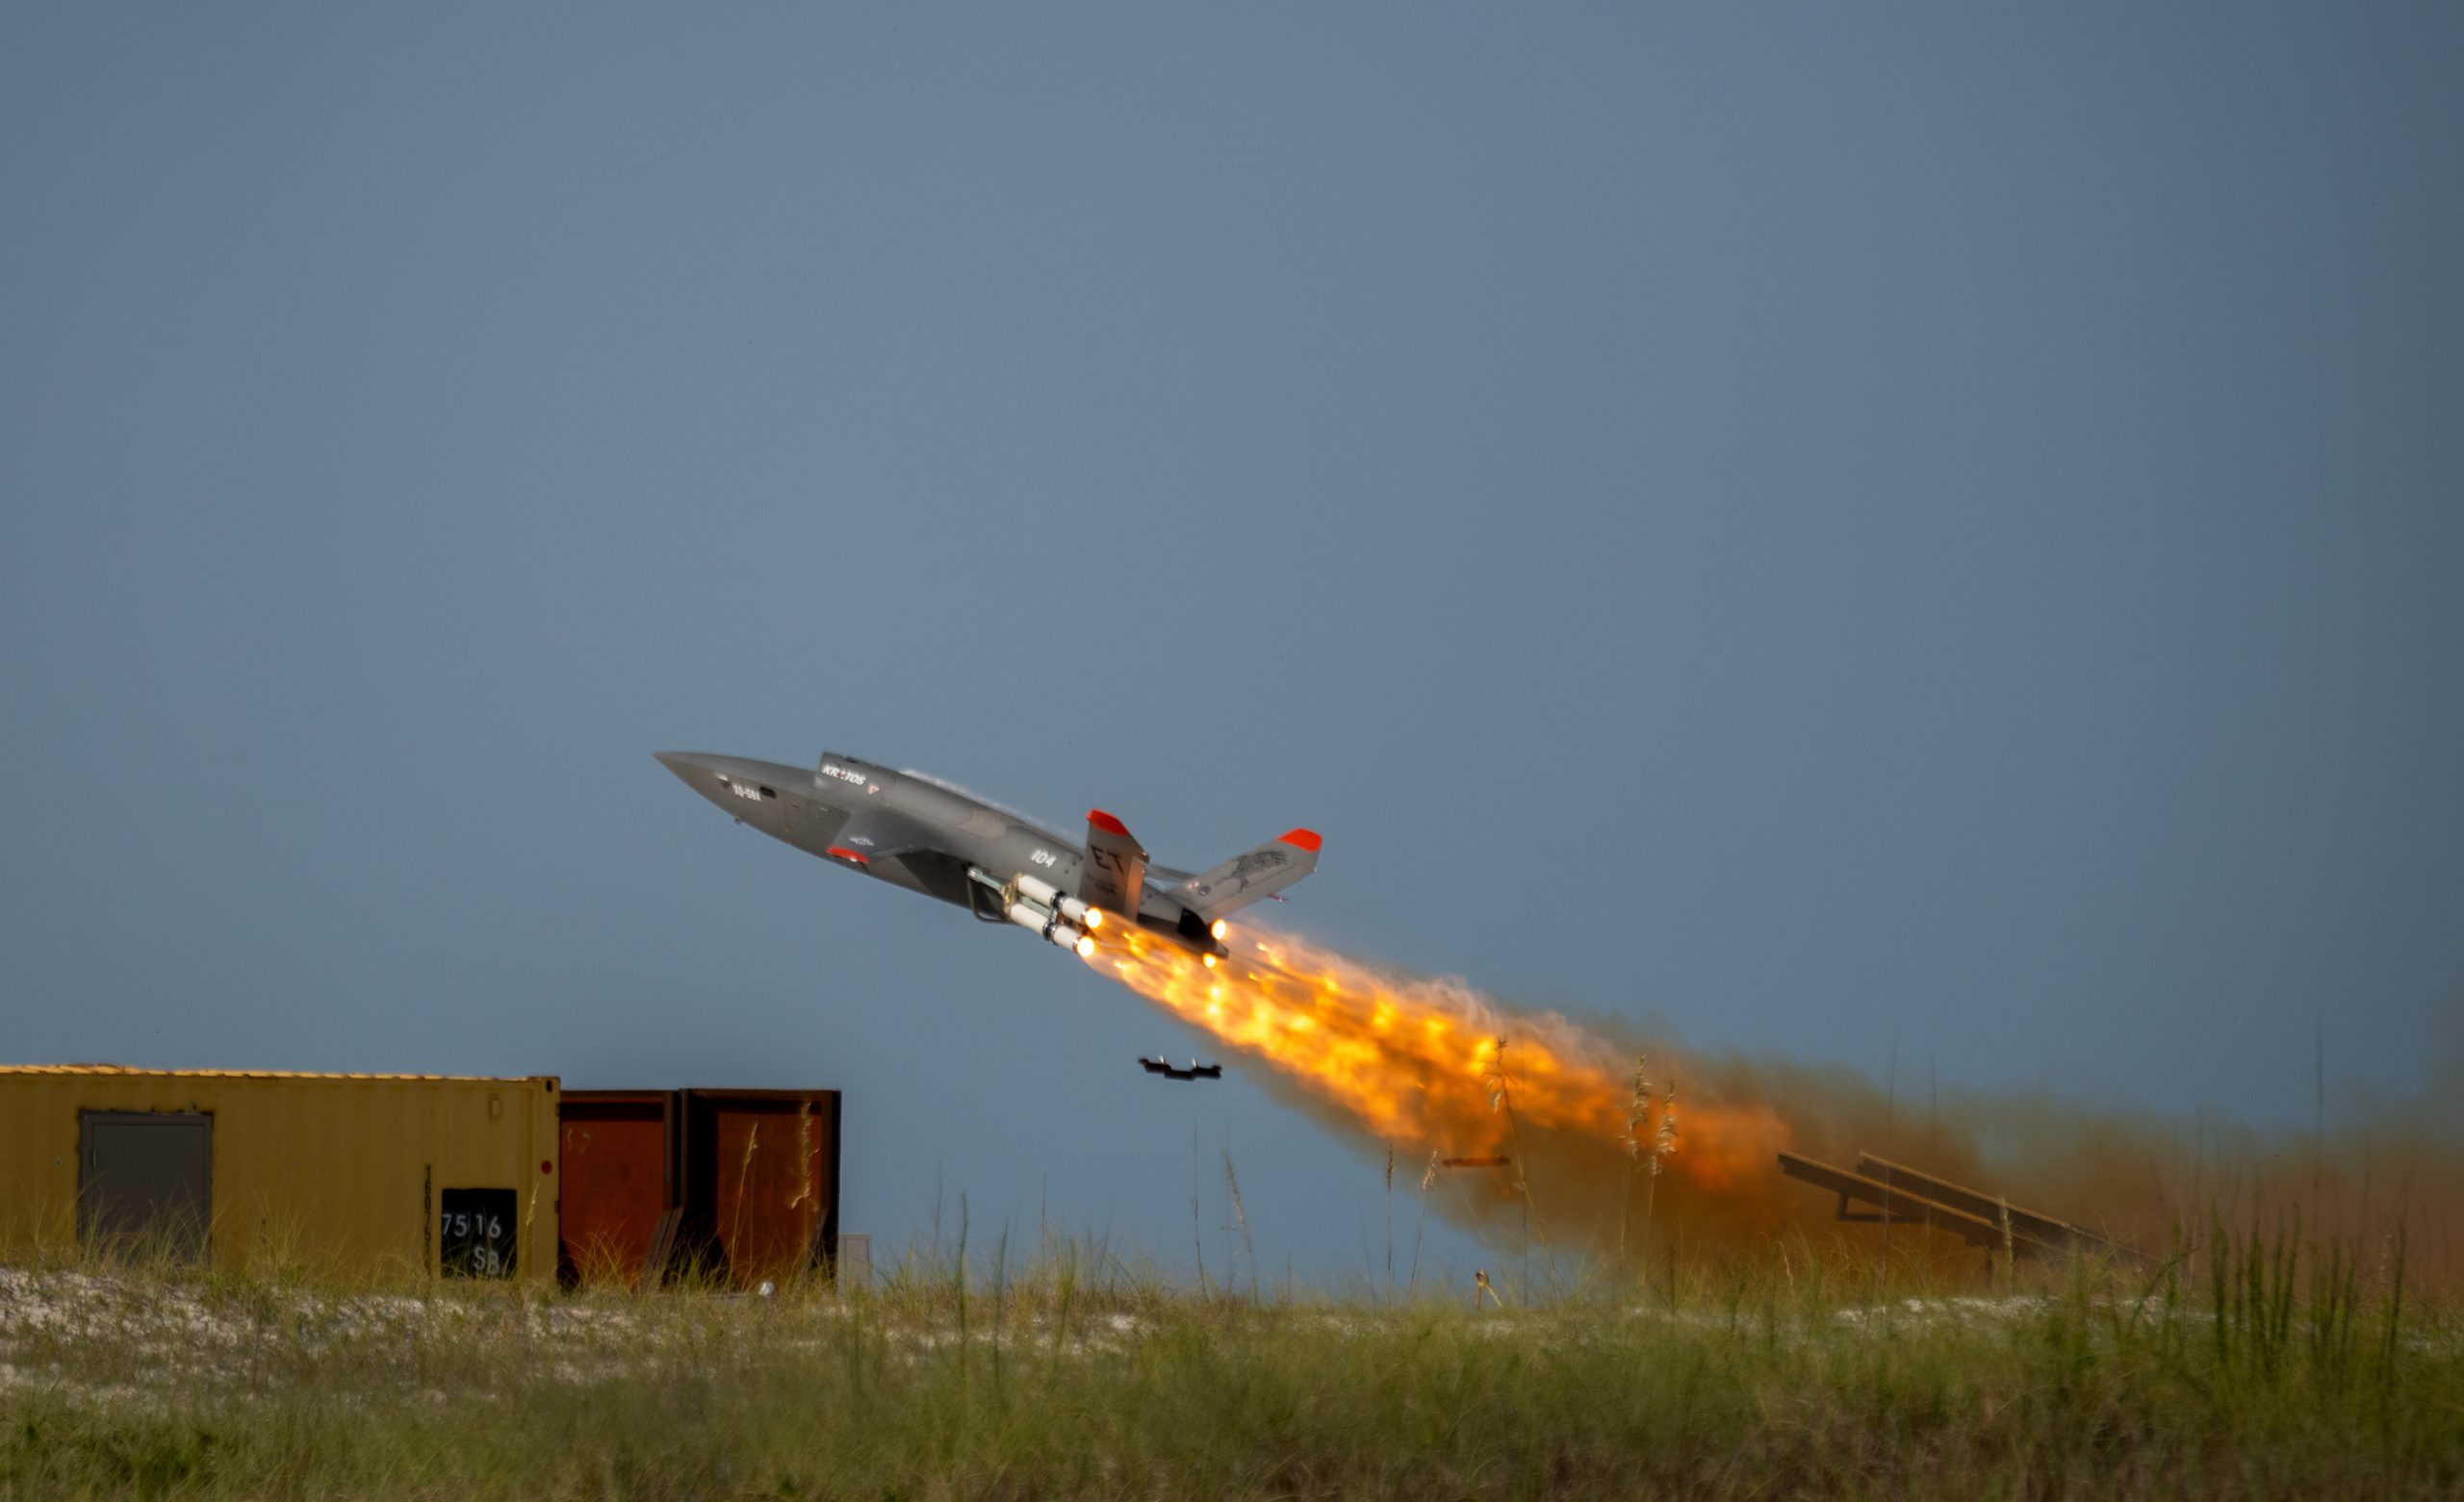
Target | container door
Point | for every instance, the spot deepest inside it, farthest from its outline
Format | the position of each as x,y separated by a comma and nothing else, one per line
144,1182
615,1188
762,1182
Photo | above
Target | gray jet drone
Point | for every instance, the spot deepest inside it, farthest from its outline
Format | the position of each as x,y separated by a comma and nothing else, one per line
910,831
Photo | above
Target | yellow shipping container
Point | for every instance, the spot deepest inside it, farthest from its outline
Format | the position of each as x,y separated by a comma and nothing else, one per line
378,1176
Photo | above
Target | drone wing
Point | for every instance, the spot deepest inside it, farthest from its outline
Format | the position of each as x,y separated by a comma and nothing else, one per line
878,834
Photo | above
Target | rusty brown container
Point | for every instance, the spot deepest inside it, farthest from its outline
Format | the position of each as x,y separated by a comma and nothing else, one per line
620,1156
761,1182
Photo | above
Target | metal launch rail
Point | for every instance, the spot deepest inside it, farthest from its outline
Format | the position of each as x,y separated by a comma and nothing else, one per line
1901,1195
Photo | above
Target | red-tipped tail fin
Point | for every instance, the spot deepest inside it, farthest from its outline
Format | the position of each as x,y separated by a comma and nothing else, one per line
1115,876
1246,878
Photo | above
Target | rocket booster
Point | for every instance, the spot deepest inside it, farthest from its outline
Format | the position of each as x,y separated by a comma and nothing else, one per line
1054,915
1071,909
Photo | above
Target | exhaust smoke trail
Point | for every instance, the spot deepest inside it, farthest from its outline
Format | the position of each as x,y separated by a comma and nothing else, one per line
1434,1067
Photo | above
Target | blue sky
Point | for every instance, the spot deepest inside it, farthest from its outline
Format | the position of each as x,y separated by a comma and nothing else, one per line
1838,529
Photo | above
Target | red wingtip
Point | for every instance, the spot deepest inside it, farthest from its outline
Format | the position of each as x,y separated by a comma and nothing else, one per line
1306,839
1107,823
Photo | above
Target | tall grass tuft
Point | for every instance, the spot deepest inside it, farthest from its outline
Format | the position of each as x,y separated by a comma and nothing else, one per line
1653,1146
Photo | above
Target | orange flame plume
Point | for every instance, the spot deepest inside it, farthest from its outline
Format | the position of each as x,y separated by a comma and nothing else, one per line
1421,1061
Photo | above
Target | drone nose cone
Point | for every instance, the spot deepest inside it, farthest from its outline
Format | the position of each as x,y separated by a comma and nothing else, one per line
701,774
718,780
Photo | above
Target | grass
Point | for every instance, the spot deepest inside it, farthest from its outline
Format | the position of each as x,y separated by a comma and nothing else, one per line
2261,1367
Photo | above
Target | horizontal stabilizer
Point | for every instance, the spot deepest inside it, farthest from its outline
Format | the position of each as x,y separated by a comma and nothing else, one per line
1247,877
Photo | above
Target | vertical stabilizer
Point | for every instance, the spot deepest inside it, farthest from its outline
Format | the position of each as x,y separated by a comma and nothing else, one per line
1115,876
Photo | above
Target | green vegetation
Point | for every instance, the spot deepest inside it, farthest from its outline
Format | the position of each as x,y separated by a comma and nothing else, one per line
2258,1366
